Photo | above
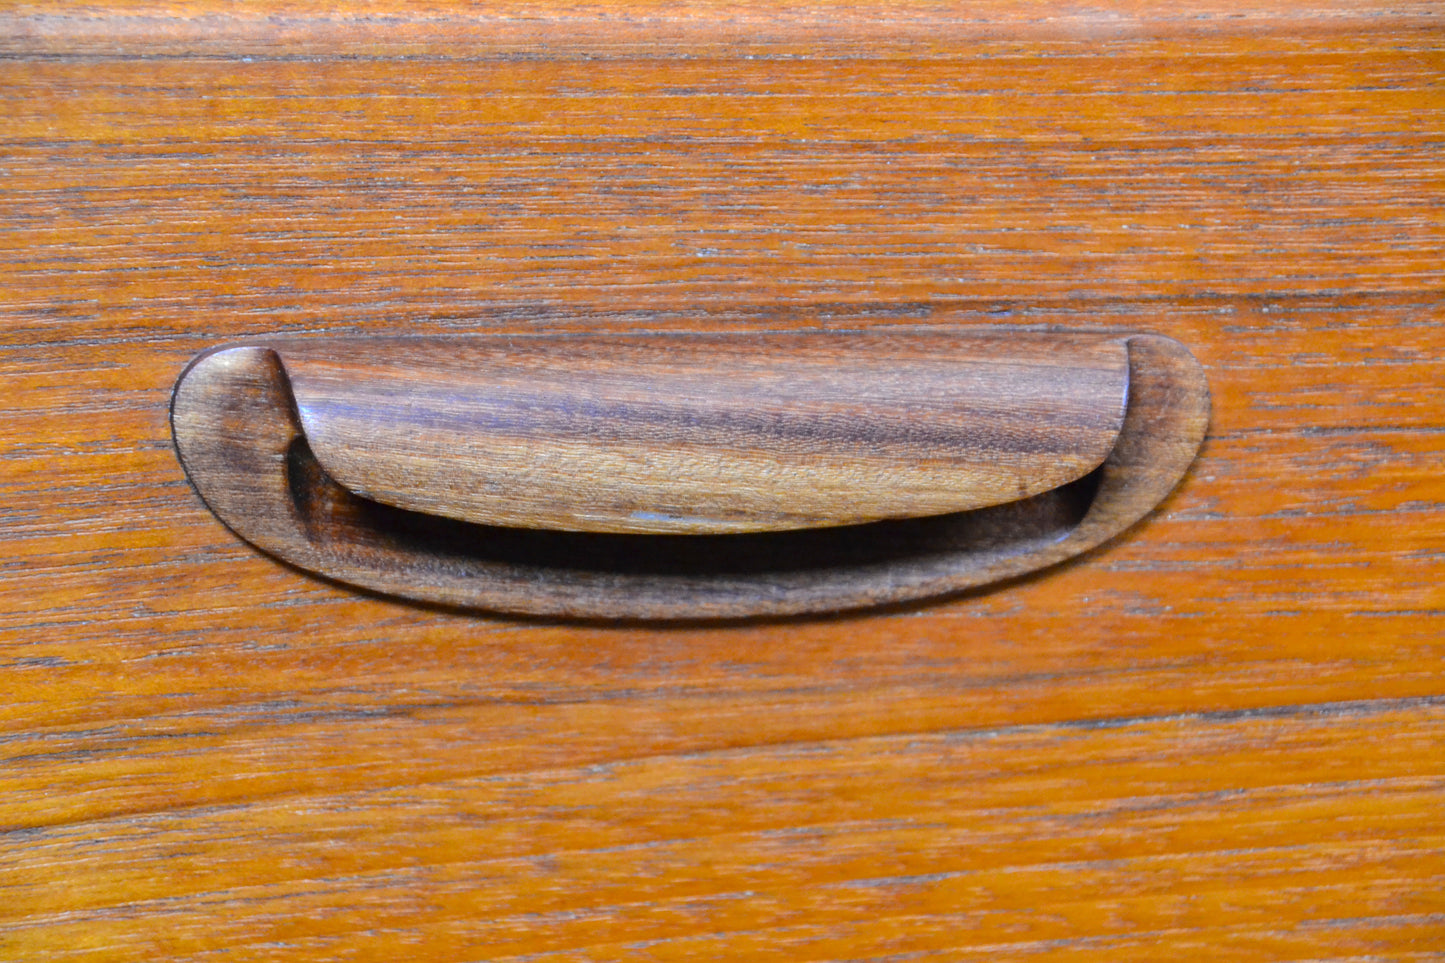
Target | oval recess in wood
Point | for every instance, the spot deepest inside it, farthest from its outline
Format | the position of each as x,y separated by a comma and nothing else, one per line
687,475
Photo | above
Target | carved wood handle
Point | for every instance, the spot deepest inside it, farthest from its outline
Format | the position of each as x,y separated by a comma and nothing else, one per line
786,472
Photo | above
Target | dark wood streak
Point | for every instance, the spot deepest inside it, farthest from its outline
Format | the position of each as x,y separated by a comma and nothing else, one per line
245,448
704,434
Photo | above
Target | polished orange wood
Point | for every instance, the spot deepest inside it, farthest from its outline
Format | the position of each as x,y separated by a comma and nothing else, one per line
1219,736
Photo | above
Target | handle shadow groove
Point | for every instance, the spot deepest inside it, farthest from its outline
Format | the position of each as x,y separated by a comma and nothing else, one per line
241,435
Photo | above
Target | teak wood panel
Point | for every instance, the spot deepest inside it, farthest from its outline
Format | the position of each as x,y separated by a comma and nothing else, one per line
1221,735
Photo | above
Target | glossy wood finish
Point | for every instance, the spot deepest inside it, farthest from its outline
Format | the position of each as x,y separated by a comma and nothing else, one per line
1220,737
1036,447
706,434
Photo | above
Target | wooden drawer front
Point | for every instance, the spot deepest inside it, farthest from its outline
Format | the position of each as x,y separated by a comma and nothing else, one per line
1223,729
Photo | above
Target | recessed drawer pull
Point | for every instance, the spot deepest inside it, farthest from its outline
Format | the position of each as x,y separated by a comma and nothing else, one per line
687,475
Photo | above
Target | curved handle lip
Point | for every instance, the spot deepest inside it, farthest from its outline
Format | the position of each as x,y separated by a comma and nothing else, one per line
1164,424
708,434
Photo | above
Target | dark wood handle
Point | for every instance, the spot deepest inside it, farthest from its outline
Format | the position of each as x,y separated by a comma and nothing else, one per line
791,472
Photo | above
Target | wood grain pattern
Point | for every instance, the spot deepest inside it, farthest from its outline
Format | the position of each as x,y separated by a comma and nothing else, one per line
699,434
1220,738
320,453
